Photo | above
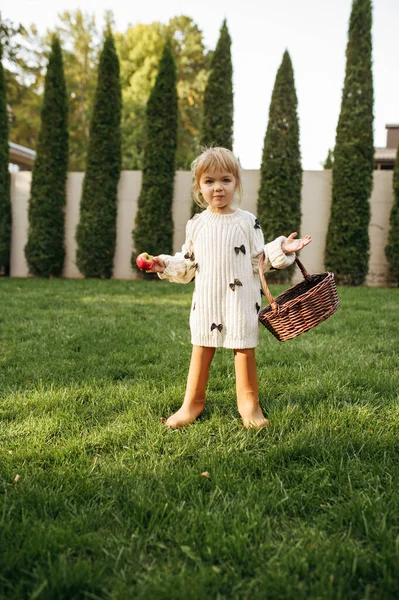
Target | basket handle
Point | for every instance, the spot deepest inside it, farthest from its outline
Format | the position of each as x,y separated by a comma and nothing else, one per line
273,304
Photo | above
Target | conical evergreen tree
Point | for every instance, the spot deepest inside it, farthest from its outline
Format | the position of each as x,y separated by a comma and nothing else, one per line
218,111
45,248
392,249
217,121
5,201
279,197
96,232
329,162
154,222
347,245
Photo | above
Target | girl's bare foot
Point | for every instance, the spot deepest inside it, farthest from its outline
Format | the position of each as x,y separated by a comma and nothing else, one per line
185,415
254,419
247,389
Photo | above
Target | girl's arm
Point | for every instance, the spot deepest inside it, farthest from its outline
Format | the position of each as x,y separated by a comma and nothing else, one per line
275,258
181,267
280,253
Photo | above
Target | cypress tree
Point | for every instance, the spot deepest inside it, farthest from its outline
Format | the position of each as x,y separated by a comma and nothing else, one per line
347,244
392,249
217,121
96,232
279,196
45,248
5,201
218,110
154,223
328,164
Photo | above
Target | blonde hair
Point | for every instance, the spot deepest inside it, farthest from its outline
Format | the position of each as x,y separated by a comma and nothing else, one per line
212,158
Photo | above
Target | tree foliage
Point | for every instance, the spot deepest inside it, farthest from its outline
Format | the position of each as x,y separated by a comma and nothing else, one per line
140,50
5,201
96,232
25,104
347,245
329,162
26,59
392,249
81,43
8,33
217,121
28,54
45,248
279,196
192,63
154,222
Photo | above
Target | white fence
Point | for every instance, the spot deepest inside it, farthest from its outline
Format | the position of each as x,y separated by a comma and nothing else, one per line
316,200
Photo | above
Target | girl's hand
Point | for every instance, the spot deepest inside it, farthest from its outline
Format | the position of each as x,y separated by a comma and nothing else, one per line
290,245
158,266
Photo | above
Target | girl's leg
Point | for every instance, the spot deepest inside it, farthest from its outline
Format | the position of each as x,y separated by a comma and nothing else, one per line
247,389
194,399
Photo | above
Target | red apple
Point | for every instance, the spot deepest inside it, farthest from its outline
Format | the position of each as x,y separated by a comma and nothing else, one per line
145,261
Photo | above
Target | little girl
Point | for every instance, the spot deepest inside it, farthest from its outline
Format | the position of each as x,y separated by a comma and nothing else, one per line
222,249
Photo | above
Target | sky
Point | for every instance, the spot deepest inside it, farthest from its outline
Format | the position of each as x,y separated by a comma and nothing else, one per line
313,31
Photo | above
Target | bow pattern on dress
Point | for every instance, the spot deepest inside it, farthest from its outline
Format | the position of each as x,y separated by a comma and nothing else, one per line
233,285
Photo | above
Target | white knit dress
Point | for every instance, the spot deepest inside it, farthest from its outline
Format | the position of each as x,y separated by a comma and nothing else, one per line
222,252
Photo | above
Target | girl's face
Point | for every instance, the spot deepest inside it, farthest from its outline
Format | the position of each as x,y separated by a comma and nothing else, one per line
217,188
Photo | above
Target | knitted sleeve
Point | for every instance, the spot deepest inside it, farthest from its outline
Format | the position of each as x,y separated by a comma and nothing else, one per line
181,267
275,258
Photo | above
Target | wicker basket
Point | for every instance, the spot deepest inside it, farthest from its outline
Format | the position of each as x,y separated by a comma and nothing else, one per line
301,307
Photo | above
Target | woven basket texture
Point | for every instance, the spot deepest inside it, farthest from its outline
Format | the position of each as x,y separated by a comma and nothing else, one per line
301,307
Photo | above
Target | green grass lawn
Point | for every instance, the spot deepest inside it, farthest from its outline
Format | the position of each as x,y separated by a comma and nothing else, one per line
109,504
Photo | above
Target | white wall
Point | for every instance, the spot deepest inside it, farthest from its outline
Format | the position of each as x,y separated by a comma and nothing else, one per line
316,200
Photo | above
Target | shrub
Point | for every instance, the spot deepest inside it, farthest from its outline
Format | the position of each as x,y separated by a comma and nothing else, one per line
154,222
392,249
45,248
217,121
5,201
218,111
279,197
347,244
96,232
